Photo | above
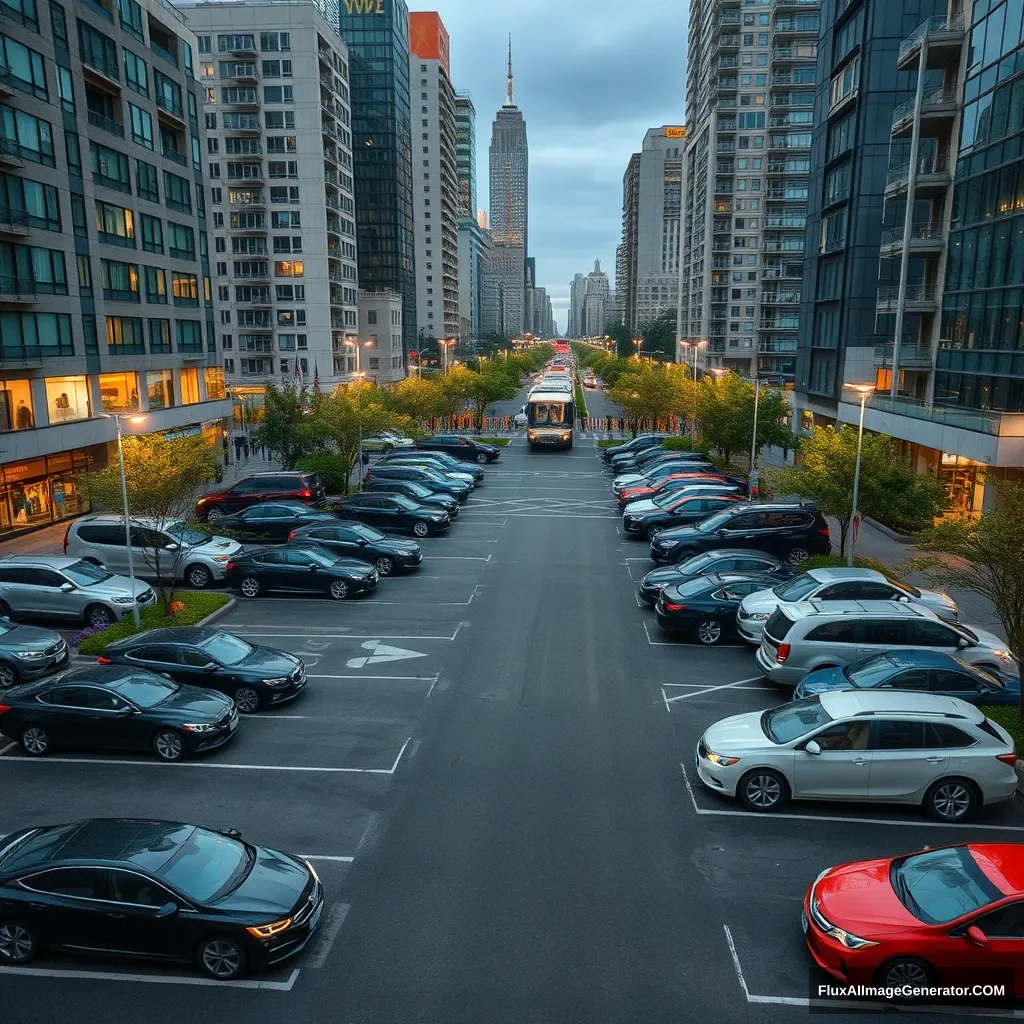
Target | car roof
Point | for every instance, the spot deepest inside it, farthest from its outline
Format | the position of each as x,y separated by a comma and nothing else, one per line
89,675
844,573
796,610
113,517
1003,863
923,658
850,703
168,635
51,561
278,472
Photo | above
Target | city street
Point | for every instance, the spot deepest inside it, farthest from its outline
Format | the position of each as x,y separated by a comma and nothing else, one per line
492,771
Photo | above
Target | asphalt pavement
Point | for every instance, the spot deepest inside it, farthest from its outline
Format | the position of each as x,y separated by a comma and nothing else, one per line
492,767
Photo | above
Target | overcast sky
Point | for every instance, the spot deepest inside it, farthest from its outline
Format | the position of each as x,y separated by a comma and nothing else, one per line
591,76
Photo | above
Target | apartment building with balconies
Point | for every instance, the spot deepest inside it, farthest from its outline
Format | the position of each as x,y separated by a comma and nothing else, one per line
279,158
106,303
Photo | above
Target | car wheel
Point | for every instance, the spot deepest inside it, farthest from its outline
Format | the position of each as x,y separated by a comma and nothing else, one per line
797,555
214,515
99,616
709,632
420,529
339,590
198,576
221,958
951,800
481,458
249,586
168,745
8,675
247,699
35,741
763,789
385,566
17,943
908,970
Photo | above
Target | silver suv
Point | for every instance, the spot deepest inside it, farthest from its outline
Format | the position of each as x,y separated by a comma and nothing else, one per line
53,586
184,553
800,638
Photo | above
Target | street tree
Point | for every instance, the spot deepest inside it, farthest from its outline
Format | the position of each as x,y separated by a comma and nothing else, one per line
659,335
453,391
287,428
348,414
620,334
163,476
491,383
725,415
416,397
647,392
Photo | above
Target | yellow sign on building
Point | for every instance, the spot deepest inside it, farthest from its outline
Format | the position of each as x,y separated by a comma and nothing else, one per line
675,133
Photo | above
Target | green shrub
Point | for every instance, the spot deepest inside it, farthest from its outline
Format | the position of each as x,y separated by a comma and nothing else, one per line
328,468
839,561
198,604
499,442
1009,718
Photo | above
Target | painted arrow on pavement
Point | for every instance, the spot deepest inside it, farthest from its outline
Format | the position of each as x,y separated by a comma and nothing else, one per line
380,654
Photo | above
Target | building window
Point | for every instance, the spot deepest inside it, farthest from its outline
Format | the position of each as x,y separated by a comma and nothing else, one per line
124,335
185,289
115,225
67,398
119,392
844,84
160,386
288,268
120,281
214,382
26,67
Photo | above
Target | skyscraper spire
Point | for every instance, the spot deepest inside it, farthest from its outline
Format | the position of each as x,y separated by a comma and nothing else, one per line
509,101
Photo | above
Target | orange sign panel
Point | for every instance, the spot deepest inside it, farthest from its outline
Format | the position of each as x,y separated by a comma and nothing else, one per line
675,133
428,38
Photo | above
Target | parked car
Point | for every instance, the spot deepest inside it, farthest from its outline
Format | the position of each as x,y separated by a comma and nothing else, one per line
301,570
919,670
428,477
635,462
704,608
272,522
154,889
28,652
636,444
800,638
254,677
839,584
116,707
176,549
521,418
882,746
394,512
791,531
386,441
59,587
419,493
463,448
357,540
260,487
675,482
469,473
655,474
723,560
941,917
648,519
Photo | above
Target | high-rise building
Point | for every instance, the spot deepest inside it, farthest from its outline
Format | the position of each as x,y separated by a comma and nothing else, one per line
502,288
435,179
626,252
542,318
948,265
279,158
577,296
509,171
597,293
749,96
106,299
470,232
383,150
465,153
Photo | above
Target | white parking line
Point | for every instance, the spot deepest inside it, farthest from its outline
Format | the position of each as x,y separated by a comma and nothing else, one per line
680,643
405,679
921,822
326,856
456,558
664,697
151,979
266,631
328,933
712,689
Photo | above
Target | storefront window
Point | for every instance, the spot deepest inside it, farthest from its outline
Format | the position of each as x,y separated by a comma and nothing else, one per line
16,405
67,398
119,392
160,385
189,386
45,490
214,382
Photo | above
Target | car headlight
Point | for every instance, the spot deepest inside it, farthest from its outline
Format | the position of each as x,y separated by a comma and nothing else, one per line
1005,655
761,616
124,600
722,760
199,727
265,931
29,654
280,681
841,935
221,558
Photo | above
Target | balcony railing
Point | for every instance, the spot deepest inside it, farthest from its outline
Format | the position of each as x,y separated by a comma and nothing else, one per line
938,26
912,357
13,221
794,53
967,419
888,295
99,9
108,125
17,289
833,245
781,298
918,233
163,54
107,68
729,42
926,165
943,96
174,156
171,105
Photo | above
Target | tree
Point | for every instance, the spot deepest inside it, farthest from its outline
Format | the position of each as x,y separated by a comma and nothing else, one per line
416,397
620,334
491,383
725,413
825,475
648,392
453,391
163,477
287,429
984,555
659,334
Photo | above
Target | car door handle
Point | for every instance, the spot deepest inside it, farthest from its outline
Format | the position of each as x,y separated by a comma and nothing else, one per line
935,760
114,914
860,761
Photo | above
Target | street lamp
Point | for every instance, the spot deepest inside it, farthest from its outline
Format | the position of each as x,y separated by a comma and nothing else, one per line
864,390
117,417
445,344
638,342
358,378
696,346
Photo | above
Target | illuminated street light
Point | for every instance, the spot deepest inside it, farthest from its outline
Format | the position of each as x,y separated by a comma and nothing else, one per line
864,390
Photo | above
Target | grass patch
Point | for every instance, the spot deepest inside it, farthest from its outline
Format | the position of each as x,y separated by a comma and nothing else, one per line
197,604
611,442
1009,718
500,442
839,562
581,399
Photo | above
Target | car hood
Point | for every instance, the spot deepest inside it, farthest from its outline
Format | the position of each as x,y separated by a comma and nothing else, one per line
352,567
739,733
940,603
627,479
860,899
116,586
668,577
989,640
218,546
194,701
441,500
821,680
28,638
273,886
641,505
680,534
398,547
761,602
268,663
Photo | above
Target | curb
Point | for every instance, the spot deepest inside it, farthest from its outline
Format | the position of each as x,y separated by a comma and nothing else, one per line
888,531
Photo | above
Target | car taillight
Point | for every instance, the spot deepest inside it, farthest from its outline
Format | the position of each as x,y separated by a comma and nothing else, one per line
1005,758
230,565
823,530
306,493
103,660
67,533
4,707
291,536
671,606
782,653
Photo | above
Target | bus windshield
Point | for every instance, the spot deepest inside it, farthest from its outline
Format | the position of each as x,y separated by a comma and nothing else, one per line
547,414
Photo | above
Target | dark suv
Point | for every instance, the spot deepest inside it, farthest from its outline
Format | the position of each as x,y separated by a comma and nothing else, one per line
637,444
251,490
465,449
792,531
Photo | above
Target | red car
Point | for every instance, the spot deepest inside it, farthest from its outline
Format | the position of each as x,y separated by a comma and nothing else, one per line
670,483
942,916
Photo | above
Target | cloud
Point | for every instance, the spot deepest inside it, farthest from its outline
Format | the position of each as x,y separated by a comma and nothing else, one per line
591,76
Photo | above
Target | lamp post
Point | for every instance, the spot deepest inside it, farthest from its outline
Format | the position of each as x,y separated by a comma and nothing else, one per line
357,378
696,346
753,437
638,342
864,390
445,344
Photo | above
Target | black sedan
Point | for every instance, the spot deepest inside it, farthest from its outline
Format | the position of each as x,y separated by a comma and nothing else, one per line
720,561
431,478
117,707
253,677
419,493
158,890
357,540
443,462
271,522
636,444
704,609
28,652
465,449
304,570
394,512
678,508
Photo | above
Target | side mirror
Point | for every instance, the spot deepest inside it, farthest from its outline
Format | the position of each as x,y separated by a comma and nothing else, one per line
66,588
166,910
363,543
124,712
211,666
962,643
812,747
314,567
976,936
170,547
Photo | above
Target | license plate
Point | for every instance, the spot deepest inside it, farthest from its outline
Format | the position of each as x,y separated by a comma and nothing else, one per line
233,726
803,921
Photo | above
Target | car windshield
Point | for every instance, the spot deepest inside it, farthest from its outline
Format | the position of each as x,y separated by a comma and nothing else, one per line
870,672
419,490
791,721
667,499
366,532
403,501
85,574
6,625
938,886
146,691
961,628
715,522
227,649
547,414
185,534
797,588
905,587
695,565
207,866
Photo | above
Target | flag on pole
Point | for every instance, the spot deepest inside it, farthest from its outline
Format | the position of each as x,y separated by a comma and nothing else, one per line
298,373
316,378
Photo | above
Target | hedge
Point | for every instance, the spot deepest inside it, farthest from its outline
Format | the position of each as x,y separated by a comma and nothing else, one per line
839,562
